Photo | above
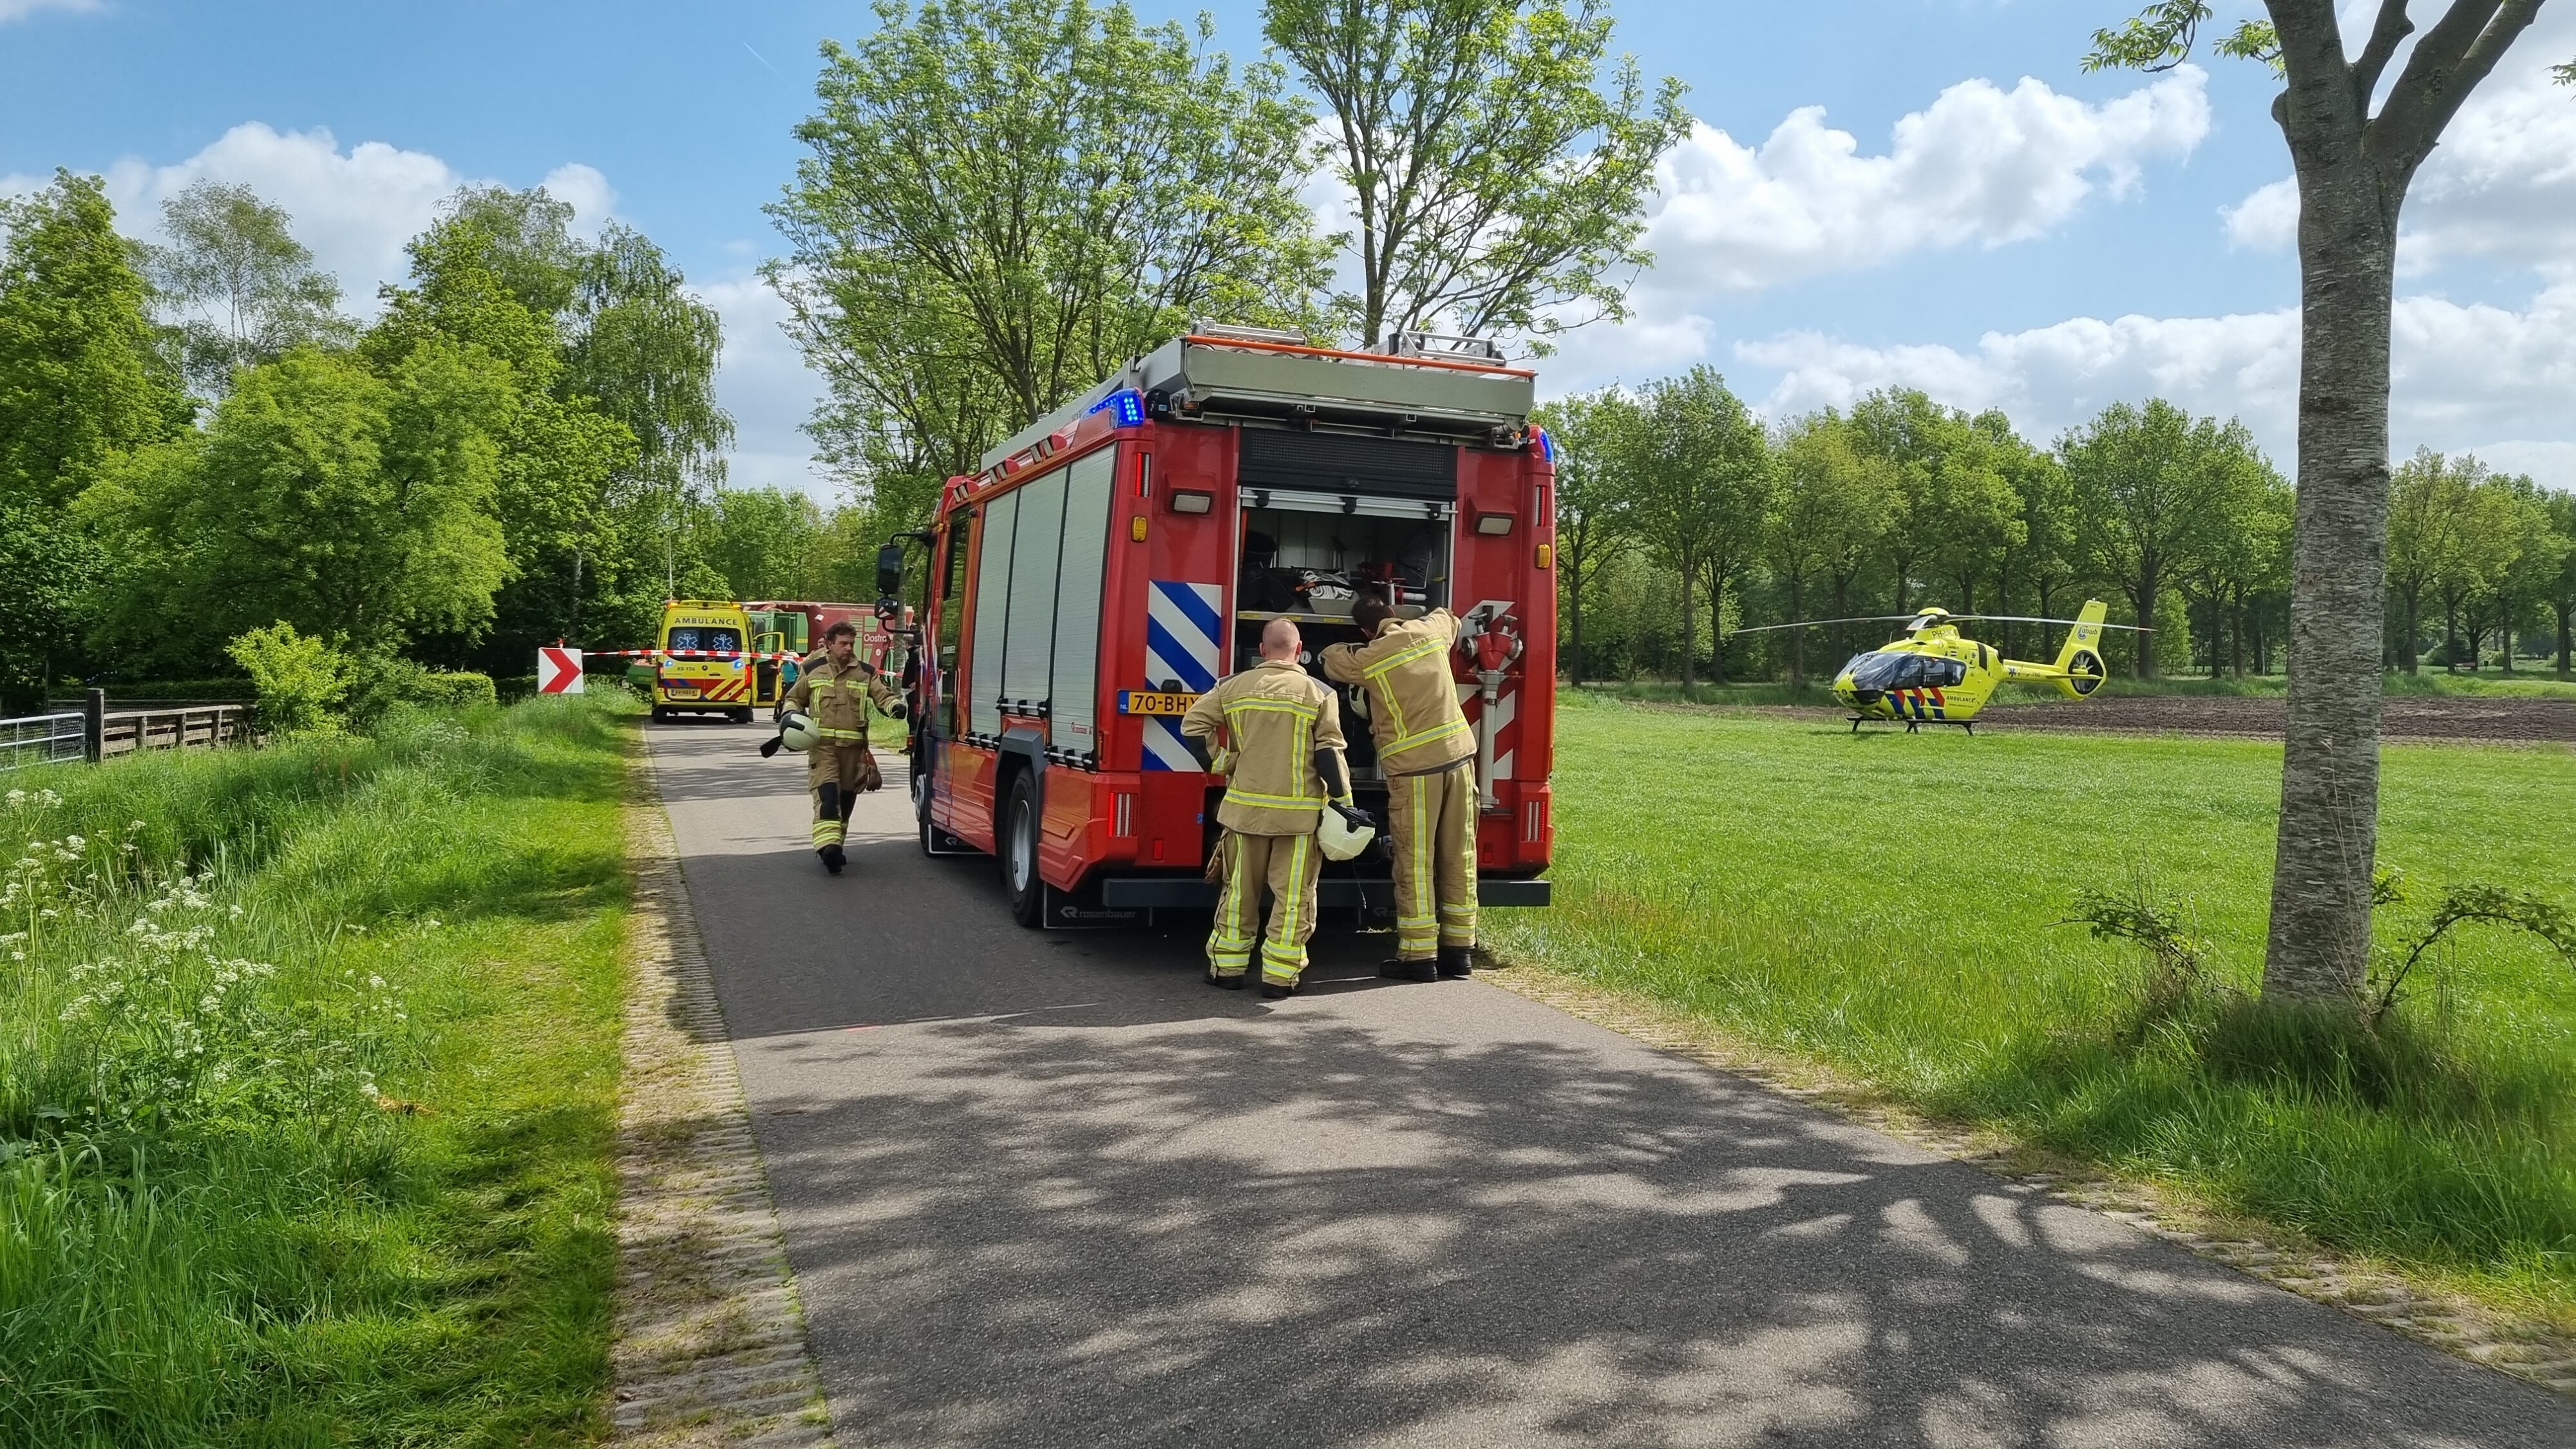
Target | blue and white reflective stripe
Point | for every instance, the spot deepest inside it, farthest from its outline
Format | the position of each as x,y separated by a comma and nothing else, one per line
1181,623
1164,748
1181,636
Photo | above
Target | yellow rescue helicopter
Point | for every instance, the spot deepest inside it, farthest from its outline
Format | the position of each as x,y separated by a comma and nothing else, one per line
1933,675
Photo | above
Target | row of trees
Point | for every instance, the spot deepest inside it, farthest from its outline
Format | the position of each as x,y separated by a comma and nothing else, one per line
1004,200
1900,504
2493,553
196,441
1682,516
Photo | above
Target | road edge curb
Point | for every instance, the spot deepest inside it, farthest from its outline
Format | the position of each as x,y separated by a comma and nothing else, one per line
710,1333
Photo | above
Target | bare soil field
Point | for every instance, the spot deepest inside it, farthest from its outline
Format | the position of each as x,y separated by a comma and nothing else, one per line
2511,721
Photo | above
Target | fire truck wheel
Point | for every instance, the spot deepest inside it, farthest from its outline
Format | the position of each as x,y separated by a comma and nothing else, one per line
1019,854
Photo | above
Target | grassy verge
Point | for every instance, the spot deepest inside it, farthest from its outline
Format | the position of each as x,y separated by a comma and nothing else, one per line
1890,906
308,1080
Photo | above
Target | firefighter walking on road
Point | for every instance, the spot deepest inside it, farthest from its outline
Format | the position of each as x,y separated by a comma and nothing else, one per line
834,688
1427,753
1282,730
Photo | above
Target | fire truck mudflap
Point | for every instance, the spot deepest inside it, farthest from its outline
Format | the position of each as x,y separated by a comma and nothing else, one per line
1115,559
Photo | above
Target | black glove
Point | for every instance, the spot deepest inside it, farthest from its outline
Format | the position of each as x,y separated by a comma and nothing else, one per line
770,746
1354,817
894,710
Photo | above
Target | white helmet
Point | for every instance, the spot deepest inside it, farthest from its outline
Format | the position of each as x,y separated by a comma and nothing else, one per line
1341,839
796,730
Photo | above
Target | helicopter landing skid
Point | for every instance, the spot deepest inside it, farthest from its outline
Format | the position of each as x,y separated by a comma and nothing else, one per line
1912,725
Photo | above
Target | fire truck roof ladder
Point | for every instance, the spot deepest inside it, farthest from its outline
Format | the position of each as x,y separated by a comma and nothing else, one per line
1432,387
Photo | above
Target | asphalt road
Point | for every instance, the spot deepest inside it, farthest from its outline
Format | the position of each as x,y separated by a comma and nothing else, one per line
1045,1189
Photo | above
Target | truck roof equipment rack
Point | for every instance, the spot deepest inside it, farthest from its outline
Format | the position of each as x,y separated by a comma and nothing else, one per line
1457,389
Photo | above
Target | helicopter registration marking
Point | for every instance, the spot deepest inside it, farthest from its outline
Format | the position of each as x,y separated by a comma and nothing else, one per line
1154,701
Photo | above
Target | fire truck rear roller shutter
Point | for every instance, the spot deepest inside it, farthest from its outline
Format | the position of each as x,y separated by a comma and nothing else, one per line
1342,463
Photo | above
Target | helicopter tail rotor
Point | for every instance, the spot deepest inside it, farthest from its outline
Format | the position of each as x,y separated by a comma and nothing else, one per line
2080,659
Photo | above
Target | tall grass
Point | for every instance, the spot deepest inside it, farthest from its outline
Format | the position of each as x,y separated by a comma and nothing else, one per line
307,1081
1893,905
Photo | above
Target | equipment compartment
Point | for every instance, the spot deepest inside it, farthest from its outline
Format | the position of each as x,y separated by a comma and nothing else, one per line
1308,556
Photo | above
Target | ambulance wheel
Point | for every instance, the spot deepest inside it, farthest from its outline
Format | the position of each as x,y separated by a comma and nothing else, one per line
1019,853
661,714
739,716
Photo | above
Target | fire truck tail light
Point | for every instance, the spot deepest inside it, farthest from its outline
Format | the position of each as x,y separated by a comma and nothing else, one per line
1493,525
1191,500
1537,818
1126,815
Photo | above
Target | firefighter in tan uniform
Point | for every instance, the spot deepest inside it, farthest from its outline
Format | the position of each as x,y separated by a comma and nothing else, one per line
834,687
1282,729
1427,753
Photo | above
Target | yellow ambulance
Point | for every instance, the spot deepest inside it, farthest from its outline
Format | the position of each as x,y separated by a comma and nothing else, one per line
702,668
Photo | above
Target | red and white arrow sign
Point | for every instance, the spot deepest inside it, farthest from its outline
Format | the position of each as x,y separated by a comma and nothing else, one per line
558,670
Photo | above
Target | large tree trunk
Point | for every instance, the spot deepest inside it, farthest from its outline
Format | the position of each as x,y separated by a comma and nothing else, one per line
1717,626
2566,635
1690,623
2414,626
2329,830
1797,637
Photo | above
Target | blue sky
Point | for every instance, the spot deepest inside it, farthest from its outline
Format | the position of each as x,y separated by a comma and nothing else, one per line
1926,192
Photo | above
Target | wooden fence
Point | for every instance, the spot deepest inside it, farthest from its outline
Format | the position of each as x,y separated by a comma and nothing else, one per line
96,732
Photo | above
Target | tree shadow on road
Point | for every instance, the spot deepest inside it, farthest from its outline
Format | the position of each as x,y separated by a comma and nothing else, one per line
1020,1232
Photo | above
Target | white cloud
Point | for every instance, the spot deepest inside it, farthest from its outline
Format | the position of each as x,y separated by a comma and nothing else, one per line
354,208
21,9
1979,165
2267,220
2464,378
2502,185
764,383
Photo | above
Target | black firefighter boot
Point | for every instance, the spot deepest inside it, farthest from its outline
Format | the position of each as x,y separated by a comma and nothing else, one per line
1410,970
1457,960
827,811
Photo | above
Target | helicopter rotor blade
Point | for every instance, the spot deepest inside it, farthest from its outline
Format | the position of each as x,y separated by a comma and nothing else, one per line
1820,623
2029,619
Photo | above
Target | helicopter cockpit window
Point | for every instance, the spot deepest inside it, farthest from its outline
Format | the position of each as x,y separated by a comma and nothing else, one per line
1886,671
1945,673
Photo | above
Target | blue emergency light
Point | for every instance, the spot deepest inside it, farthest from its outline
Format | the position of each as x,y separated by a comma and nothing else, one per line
1126,403
1546,446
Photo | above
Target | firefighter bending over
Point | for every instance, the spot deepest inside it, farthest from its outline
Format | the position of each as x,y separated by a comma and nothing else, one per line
1427,753
835,689
1283,731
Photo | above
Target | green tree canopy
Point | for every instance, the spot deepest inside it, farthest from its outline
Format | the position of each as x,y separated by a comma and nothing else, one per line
1834,506
1004,200
1698,471
242,288
1593,523
2151,486
1496,185
347,503
81,376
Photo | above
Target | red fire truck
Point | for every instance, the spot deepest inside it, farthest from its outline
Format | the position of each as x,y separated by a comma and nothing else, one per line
1120,556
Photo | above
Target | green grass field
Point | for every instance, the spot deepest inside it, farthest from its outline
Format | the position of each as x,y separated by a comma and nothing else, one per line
2491,684
1889,904
308,1100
